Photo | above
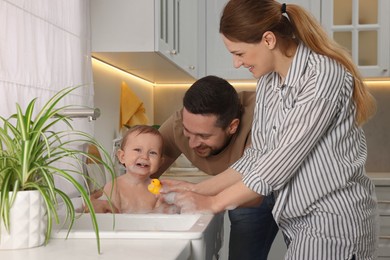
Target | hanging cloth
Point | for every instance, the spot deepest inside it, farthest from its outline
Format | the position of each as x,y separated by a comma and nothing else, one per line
132,110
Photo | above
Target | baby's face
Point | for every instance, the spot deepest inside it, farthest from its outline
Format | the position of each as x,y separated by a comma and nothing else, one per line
142,153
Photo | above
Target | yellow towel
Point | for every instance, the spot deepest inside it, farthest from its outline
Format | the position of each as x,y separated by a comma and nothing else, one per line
132,110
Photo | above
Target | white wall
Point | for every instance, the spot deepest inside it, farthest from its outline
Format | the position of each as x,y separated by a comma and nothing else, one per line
107,82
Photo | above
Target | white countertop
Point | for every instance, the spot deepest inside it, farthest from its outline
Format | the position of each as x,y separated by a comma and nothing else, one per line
118,249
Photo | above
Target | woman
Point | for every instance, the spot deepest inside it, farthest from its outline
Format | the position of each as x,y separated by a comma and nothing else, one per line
308,147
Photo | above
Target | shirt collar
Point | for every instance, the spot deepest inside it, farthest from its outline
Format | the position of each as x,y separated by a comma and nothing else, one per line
298,65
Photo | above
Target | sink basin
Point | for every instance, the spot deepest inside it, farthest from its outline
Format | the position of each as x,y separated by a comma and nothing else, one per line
205,231
187,226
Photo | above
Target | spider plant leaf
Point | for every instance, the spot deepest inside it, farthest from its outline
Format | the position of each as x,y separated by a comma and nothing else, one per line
29,149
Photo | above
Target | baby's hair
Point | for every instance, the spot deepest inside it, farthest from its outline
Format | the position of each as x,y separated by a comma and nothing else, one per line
140,129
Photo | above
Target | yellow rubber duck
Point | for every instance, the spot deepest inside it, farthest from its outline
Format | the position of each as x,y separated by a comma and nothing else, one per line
154,186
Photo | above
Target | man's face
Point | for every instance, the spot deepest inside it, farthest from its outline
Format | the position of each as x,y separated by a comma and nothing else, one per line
204,137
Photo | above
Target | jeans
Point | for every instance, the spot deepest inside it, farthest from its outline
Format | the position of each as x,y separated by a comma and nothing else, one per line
252,231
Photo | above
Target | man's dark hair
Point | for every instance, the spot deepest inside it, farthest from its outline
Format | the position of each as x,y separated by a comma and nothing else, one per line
215,96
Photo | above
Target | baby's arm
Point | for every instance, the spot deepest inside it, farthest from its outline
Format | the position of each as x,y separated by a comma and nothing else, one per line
111,193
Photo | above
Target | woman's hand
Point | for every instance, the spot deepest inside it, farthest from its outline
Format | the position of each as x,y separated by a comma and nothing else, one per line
184,197
191,202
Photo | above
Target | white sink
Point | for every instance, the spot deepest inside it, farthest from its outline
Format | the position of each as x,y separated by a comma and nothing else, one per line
204,230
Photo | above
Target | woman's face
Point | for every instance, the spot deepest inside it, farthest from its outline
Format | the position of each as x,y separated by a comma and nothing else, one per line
254,56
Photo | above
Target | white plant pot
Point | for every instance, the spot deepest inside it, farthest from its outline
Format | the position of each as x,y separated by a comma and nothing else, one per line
28,222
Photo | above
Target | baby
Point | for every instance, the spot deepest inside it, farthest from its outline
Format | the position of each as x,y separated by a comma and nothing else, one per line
141,154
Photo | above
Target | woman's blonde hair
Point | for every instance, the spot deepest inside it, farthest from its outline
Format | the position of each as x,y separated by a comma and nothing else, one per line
247,21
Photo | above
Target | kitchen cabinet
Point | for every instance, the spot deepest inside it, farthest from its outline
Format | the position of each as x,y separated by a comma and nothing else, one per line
178,35
120,26
382,189
178,41
141,36
362,26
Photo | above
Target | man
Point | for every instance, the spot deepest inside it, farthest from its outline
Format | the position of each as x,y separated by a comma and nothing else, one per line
212,131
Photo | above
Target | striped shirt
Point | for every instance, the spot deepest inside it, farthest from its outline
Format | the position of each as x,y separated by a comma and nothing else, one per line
308,150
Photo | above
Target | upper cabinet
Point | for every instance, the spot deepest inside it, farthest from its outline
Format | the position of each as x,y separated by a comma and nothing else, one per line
121,25
362,26
178,41
178,37
141,36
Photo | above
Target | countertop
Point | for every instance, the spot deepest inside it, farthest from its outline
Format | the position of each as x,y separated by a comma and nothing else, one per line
86,249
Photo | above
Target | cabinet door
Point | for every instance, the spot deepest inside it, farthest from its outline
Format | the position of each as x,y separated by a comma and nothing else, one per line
177,29
383,196
122,26
219,61
362,26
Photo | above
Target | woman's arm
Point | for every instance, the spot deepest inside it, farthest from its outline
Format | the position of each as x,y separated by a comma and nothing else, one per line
211,186
229,198
218,183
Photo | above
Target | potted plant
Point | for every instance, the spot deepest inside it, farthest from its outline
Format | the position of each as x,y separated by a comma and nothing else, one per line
30,155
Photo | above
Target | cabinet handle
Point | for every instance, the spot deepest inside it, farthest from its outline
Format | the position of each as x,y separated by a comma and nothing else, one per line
173,52
176,25
163,20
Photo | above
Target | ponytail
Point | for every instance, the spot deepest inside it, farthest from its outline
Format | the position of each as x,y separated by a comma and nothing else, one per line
310,32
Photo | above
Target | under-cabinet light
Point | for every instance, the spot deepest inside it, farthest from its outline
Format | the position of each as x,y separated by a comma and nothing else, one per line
109,66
